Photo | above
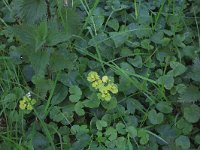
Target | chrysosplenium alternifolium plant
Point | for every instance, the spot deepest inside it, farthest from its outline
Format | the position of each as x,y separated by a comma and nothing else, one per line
105,86
27,102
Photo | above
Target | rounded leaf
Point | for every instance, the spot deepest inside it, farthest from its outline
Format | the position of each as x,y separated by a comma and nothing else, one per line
192,113
155,118
164,107
132,131
183,142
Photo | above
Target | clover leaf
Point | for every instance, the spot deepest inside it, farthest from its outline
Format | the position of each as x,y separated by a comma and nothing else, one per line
192,113
178,68
154,117
164,107
132,131
79,108
183,142
144,136
75,92
101,124
111,133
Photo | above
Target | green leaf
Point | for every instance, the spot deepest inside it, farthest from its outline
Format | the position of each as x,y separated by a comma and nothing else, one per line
144,136
161,56
120,127
165,41
33,10
183,142
192,113
42,85
184,126
55,37
130,105
130,146
167,80
28,72
155,118
68,113
91,103
164,107
42,31
79,130
125,52
100,124
25,33
59,116
119,38
75,92
56,34
136,62
32,35
146,44
39,61
141,31
132,131
9,101
79,108
178,68
81,142
112,133
197,139
157,37
58,61
195,73
180,88
98,21
121,143
74,98
189,51
39,141
61,93
69,78
70,20
111,104
178,41
97,38
83,63
189,95
127,67
14,55
64,130
114,24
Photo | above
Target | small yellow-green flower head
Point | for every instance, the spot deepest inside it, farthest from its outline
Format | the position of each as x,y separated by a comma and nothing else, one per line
104,93
113,88
27,103
97,84
104,96
22,104
103,89
107,97
93,76
105,79
105,85
29,107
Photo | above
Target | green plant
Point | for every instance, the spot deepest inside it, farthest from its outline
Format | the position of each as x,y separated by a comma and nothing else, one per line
113,74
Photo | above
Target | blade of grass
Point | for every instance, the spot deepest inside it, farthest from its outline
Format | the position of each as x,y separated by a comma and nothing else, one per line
158,137
46,111
89,13
158,15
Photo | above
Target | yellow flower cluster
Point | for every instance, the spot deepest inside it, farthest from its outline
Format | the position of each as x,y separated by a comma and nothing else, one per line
104,85
27,103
